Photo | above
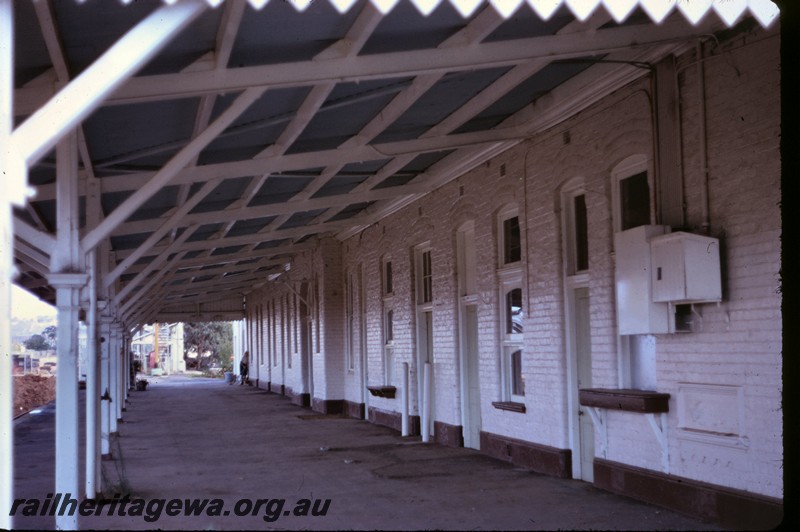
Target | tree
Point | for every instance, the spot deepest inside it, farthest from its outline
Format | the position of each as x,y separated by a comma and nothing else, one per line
212,341
37,342
51,334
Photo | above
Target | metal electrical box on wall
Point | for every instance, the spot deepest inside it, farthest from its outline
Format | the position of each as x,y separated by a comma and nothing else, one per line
686,269
636,311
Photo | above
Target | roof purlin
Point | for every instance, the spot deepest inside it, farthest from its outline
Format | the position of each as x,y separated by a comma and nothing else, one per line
469,147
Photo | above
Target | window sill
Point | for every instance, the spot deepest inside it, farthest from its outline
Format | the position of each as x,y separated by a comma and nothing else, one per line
511,406
382,391
510,271
642,401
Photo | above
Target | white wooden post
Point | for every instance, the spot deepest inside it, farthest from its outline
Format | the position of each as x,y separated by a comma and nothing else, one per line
120,396
68,286
6,380
6,264
92,384
94,214
126,369
105,384
126,374
67,264
113,377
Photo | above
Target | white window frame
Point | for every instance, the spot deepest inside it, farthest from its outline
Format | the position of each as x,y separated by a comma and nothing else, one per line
629,167
388,347
571,244
286,318
507,213
424,325
259,337
296,321
273,314
467,262
510,278
387,281
387,325
424,294
317,326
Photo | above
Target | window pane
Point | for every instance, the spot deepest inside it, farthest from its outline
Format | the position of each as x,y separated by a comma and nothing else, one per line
511,241
427,278
517,383
388,277
389,366
581,235
634,194
389,326
514,312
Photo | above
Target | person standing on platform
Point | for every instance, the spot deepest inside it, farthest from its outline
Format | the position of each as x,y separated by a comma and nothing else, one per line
244,367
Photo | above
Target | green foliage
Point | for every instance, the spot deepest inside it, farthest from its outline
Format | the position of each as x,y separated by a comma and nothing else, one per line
51,334
37,342
213,342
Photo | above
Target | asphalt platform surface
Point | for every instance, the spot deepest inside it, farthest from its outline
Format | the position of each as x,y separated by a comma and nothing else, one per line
243,458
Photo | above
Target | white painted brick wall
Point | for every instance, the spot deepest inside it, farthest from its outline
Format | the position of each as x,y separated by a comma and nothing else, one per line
329,366
738,343
259,337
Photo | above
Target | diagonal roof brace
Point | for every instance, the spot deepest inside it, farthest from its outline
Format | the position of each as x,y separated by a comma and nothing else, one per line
459,58
171,169
39,133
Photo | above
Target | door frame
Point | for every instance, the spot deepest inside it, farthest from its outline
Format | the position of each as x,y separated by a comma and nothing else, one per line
306,318
362,335
466,359
573,400
572,281
424,337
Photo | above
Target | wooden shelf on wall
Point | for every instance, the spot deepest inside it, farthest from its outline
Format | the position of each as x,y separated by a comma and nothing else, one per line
643,401
382,391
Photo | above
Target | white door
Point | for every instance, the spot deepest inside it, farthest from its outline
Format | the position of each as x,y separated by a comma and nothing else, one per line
470,389
583,357
425,355
362,330
308,359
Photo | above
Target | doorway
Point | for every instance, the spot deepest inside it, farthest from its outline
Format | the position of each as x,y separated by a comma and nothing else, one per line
470,383
582,347
575,212
425,355
307,340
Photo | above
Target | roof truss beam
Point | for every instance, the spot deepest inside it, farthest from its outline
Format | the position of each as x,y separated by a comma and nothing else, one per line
477,30
51,120
226,36
395,64
232,258
165,227
571,97
170,170
258,238
141,276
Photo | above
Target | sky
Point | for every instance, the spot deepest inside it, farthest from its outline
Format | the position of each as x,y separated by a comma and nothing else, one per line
25,306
